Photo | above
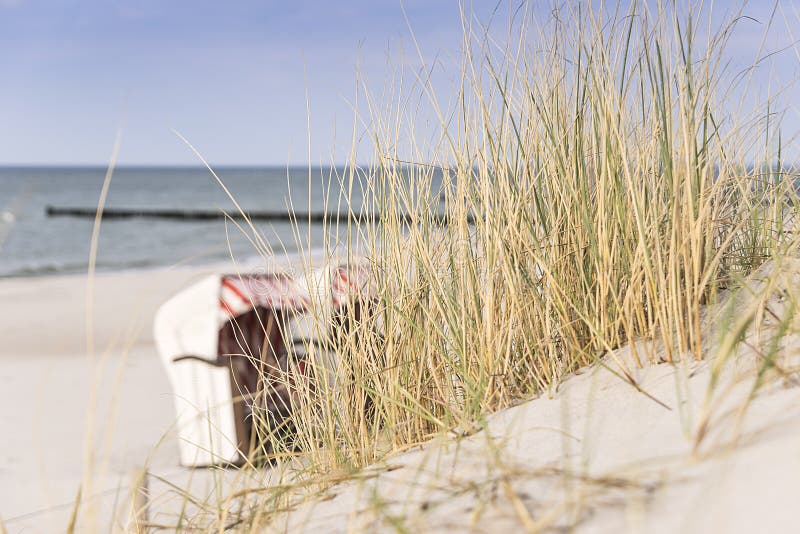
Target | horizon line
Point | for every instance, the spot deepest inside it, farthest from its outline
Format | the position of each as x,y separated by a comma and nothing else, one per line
175,166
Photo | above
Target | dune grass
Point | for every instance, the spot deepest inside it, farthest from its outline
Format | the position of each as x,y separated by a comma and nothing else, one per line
600,188
605,177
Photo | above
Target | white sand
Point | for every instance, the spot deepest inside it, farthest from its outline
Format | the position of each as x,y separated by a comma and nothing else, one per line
46,379
596,453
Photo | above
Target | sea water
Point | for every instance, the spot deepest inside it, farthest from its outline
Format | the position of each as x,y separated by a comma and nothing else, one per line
33,243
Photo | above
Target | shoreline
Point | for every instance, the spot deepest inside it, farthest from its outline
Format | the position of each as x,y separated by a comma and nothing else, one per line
276,261
123,269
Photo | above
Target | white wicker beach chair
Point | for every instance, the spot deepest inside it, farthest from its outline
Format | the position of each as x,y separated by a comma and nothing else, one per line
221,338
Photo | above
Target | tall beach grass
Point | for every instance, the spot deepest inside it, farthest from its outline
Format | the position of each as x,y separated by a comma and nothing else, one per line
605,175
601,185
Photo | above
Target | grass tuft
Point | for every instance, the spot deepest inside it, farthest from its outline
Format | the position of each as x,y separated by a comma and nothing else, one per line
601,184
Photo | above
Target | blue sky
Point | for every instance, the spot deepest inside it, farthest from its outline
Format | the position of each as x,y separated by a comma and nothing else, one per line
229,75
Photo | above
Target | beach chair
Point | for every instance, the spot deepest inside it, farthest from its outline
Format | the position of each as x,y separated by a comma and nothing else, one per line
224,344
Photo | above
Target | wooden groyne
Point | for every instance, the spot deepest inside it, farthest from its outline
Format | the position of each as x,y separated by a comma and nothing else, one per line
206,215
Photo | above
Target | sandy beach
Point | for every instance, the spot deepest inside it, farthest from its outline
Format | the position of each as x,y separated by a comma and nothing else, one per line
543,267
47,377
596,451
